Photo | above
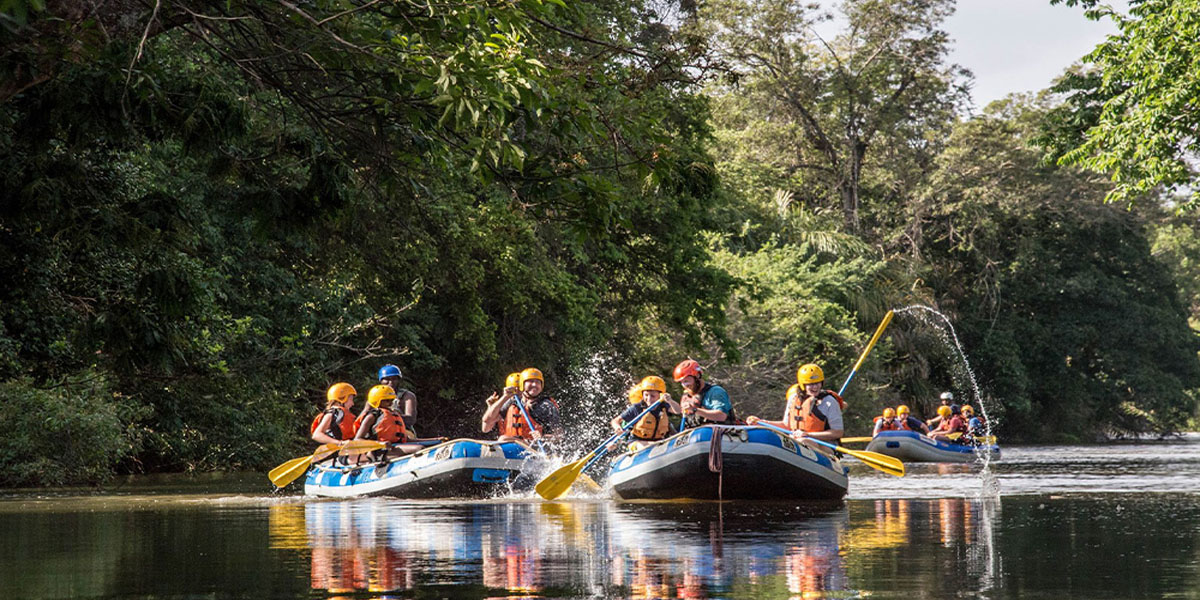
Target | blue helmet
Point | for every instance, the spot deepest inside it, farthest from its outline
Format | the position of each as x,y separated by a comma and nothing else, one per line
389,371
955,409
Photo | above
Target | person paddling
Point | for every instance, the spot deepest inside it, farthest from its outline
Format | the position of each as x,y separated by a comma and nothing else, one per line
976,426
811,411
907,422
385,423
335,424
952,423
656,425
703,403
539,406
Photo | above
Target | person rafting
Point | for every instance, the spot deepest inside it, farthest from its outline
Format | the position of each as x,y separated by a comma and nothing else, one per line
811,411
887,422
656,425
947,398
512,385
952,425
335,424
390,376
976,426
702,403
907,422
385,423
542,411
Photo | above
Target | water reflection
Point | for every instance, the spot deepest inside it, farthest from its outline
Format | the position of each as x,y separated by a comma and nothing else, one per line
661,550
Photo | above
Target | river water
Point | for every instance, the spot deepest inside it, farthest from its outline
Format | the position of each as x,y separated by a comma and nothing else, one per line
1062,522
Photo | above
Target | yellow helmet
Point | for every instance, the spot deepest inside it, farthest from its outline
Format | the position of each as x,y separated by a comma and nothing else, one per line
635,394
889,412
513,380
943,411
653,382
339,392
902,410
378,394
967,410
531,374
809,373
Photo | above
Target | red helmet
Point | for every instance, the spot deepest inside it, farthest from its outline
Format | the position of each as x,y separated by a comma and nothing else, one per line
688,367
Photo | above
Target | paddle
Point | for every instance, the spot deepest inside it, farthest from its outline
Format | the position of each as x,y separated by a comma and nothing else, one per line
558,482
529,422
856,440
290,470
981,439
880,462
875,338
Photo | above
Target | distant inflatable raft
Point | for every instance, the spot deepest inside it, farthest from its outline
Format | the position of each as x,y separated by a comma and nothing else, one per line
911,446
458,468
749,463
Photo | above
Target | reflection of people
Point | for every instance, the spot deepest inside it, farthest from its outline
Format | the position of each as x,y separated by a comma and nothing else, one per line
702,402
811,411
656,425
540,407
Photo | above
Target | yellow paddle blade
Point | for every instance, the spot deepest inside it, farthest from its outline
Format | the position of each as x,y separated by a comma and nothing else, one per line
588,483
558,482
954,436
856,440
877,461
985,439
360,447
290,470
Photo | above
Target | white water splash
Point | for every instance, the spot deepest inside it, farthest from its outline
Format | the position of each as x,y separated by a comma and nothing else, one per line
964,375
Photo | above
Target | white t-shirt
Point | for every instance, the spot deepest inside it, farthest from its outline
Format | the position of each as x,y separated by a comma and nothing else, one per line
828,406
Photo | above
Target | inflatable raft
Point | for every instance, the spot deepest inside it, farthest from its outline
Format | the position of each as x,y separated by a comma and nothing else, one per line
458,468
911,446
748,463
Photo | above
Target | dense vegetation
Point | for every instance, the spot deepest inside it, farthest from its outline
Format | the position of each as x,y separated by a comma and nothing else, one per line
210,211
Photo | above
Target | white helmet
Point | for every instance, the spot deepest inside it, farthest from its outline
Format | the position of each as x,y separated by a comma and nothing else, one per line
947,396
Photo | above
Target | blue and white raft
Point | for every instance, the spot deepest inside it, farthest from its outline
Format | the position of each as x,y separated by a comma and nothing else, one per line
458,468
745,463
911,446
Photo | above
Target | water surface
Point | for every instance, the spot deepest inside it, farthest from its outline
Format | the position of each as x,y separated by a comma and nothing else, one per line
1112,521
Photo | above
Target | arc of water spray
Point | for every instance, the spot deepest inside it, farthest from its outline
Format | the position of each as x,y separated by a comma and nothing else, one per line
966,366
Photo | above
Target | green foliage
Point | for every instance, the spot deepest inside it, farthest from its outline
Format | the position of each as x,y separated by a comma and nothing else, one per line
1058,298
1132,114
74,431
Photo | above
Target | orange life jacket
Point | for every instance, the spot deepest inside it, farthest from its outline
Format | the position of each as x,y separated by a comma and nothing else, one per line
514,422
652,427
800,411
388,426
342,427
902,424
889,425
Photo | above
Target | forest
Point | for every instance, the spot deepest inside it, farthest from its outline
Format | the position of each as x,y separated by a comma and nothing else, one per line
211,211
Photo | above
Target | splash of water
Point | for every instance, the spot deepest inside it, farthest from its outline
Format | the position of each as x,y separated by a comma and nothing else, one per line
963,374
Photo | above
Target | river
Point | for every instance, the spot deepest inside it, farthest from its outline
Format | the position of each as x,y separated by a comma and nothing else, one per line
1119,520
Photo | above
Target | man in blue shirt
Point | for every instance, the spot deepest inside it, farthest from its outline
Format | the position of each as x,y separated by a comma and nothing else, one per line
702,403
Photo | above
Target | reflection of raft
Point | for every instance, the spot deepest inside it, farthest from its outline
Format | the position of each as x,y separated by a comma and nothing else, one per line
754,464
457,468
914,447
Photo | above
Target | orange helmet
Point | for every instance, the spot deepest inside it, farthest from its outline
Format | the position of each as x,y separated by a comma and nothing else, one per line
944,411
654,382
809,373
531,374
513,380
686,368
889,412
